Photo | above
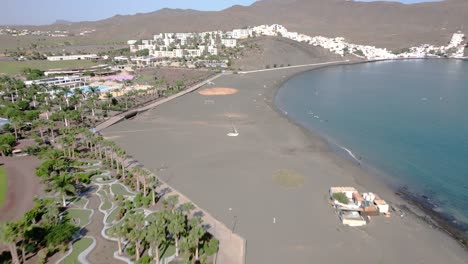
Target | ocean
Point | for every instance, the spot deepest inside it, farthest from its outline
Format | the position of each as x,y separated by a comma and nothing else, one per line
406,118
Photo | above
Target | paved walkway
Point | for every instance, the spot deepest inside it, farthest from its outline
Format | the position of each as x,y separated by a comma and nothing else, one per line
295,66
121,116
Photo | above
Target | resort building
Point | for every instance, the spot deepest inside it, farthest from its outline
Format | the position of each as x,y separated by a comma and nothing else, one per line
66,81
73,57
99,70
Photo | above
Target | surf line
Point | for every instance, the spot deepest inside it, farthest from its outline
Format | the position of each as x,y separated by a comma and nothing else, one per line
351,154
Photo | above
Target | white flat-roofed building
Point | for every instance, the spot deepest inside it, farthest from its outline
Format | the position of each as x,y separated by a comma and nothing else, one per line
193,52
212,50
230,43
240,33
65,81
73,57
179,53
132,42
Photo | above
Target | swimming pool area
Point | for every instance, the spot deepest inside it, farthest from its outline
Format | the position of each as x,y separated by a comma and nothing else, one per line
101,88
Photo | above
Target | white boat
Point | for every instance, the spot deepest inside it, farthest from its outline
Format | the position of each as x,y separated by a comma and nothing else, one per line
234,132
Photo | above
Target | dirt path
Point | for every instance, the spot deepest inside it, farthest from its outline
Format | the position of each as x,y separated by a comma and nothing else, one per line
104,250
23,186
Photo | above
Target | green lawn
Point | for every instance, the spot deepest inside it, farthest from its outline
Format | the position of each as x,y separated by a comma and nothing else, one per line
113,215
16,67
167,251
80,202
3,186
106,204
78,247
120,189
82,214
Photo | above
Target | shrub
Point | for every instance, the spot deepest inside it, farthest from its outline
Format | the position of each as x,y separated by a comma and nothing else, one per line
131,249
211,247
145,260
340,197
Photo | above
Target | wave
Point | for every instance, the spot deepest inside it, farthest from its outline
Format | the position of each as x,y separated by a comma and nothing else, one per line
350,153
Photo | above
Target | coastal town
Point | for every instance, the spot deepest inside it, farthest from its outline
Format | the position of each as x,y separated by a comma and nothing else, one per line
173,45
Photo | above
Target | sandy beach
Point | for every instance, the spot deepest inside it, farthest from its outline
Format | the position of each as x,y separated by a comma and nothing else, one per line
236,178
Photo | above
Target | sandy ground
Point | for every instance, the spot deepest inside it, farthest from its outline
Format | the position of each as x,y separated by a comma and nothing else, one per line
218,91
23,186
236,179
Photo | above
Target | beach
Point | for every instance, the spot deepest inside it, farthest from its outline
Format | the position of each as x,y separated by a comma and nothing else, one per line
236,178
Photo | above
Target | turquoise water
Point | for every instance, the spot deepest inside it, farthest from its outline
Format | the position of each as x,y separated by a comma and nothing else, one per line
100,88
408,119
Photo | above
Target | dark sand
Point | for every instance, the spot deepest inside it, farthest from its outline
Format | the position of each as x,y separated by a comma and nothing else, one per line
185,142
23,186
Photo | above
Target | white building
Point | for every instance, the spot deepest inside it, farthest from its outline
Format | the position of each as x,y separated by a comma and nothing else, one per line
229,43
67,81
240,33
73,57
212,50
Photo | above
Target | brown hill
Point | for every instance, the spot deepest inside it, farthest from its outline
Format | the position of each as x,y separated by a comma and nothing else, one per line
263,52
385,24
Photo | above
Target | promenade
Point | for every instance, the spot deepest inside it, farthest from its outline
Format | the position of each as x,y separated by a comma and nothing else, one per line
117,118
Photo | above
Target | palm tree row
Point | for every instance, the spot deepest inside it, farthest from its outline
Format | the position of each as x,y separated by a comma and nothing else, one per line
56,116
158,230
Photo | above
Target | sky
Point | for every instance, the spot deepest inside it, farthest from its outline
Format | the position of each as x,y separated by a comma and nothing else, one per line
40,12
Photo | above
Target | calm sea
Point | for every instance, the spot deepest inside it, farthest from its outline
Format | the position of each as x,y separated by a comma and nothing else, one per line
408,119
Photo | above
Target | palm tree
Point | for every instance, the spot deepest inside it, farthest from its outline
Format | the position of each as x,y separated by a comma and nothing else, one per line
5,149
176,227
63,184
9,235
16,121
40,123
153,184
156,234
93,95
136,172
195,234
51,128
136,222
119,231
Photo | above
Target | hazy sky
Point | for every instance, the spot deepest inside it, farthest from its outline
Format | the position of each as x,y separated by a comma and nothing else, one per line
48,11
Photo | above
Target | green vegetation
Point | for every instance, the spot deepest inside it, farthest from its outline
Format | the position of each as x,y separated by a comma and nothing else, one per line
288,178
144,52
119,189
78,246
113,215
33,74
341,197
106,204
66,171
3,186
80,217
17,67
80,202
7,141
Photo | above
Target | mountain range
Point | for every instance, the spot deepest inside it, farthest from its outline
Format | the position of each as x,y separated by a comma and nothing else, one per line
383,24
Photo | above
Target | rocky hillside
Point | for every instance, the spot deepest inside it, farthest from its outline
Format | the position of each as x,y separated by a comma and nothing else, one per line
263,52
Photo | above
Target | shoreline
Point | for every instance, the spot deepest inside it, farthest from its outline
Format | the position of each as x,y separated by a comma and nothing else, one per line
233,179
417,204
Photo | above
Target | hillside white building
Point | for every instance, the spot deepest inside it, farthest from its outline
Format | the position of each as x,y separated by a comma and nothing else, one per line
229,43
